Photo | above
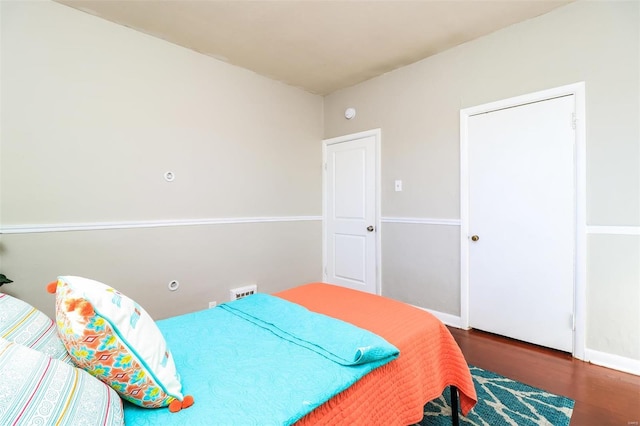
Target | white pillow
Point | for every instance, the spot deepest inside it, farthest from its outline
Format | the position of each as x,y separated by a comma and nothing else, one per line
114,339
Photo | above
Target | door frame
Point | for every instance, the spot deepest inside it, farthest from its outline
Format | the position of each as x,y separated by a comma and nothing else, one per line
377,135
579,298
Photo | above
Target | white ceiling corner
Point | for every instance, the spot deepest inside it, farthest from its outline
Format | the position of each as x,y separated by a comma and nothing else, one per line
318,45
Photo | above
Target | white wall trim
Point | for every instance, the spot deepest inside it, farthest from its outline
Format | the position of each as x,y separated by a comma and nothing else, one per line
447,319
617,362
421,221
613,230
580,300
101,226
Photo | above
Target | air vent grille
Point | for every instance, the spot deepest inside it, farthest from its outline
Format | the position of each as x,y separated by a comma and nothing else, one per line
240,292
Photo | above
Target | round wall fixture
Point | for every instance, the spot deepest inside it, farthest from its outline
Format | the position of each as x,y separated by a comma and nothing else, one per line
349,113
169,176
173,285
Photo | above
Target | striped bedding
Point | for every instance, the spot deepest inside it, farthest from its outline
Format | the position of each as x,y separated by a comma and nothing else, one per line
38,390
24,324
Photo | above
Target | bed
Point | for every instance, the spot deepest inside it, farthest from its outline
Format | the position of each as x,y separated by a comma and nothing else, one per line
388,390
393,394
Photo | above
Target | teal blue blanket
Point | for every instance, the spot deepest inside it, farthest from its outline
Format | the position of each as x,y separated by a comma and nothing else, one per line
262,361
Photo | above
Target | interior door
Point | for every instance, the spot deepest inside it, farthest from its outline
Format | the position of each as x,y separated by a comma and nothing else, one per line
350,212
522,222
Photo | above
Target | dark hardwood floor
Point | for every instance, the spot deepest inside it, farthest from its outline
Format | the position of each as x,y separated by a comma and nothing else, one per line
603,396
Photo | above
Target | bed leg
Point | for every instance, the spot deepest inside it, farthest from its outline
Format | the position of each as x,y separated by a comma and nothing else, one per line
455,421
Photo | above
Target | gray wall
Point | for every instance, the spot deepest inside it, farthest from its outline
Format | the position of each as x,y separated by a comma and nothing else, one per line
206,260
417,107
94,114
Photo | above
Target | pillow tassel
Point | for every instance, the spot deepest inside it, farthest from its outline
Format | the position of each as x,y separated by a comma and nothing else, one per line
187,401
177,405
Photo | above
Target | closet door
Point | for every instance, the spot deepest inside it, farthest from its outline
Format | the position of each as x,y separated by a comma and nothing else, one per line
522,222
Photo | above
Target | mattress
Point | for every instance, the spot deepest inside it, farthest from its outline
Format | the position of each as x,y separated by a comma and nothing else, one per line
394,394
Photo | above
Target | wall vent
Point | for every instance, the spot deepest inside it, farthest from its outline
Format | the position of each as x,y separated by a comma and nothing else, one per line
240,292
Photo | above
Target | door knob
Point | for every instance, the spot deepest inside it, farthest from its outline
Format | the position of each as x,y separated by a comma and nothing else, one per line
475,238
370,228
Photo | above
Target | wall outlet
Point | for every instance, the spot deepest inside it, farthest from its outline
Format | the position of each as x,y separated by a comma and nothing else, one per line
212,304
240,292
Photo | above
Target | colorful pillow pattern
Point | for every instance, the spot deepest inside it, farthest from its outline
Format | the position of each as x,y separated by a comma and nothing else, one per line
113,338
22,323
38,390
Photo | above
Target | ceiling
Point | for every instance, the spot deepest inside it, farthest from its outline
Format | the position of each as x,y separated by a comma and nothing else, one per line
318,45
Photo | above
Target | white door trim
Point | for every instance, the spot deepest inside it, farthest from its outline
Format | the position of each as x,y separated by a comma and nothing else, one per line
578,90
377,135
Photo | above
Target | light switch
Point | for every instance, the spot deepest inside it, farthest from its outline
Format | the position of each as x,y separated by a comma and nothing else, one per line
398,185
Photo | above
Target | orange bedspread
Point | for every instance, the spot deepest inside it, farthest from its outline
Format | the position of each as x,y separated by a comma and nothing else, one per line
394,394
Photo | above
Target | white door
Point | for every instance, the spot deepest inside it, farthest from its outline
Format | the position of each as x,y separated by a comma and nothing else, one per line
522,222
351,242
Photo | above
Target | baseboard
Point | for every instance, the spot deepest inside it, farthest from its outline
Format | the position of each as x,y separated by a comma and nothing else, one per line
447,319
616,362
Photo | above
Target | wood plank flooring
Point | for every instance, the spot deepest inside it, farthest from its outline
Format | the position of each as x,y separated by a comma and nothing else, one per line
603,396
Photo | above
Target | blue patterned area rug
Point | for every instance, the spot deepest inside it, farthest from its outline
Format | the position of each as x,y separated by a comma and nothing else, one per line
503,401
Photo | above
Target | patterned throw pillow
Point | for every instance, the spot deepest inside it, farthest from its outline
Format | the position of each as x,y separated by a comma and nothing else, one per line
38,390
113,338
22,323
